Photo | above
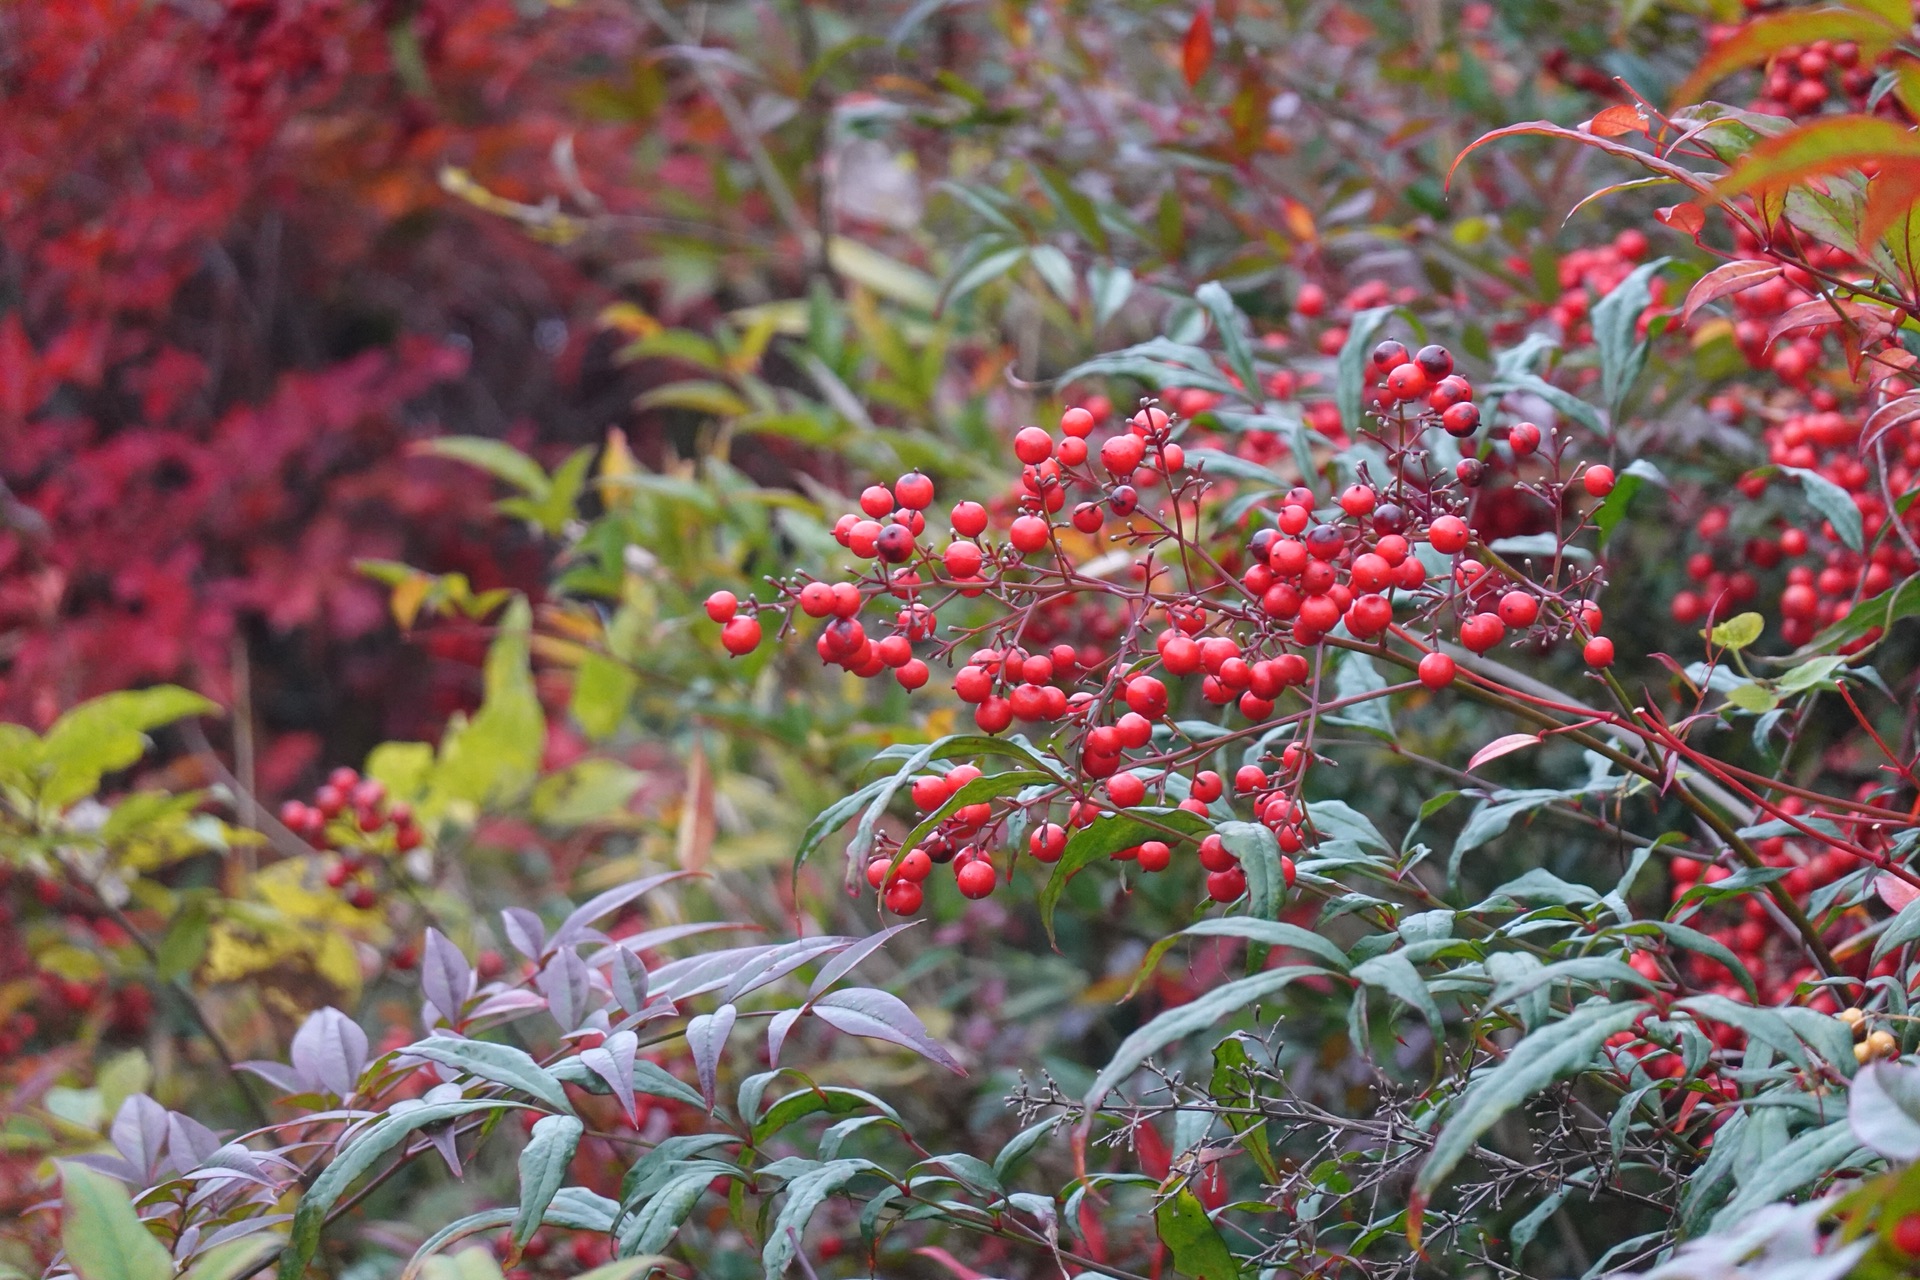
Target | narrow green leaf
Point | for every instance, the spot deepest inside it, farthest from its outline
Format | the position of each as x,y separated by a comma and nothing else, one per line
103,1237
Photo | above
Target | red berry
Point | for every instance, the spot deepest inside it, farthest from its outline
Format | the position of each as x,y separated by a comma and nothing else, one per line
1077,423
976,879
969,519
1461,420
1048,842
1482,631
1032,446
1126,790
1906,1234
1598,652
1249,777
912,674
343,779
1523,438
877,501
1448,534
1122,454
1436,670
1029,534
1226,886
741,636
1408,382
1518,609
904,897
1155,855
1207,786
1598,481
362,898
914,491
1358,499
722,605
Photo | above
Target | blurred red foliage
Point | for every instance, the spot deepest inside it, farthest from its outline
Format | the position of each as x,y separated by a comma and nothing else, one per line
231,293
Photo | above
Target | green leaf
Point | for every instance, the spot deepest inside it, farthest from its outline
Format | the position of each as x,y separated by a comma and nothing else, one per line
501,1064
495,457
496,755
1739,631
233,1259
1355,677
364,1150
1235,1088
1110,286
1231,324
1883,1107
1198,1251
826,1099
102,1235
603,689
105,734
1899,601
1350,378
1809,675
982,271
1623,353
1158,363
1833,502
1396,975
1554,1051
1259,852
587,791
649,1228
1190,1019
890,278
805,1194
1103,838
1608,515
543,1167
1813,1156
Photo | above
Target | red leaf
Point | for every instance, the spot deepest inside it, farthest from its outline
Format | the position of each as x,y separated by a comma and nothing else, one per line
1731,277
1196,51
1894,892
1501,746
1687,218
1616,120
1894,413
1547,129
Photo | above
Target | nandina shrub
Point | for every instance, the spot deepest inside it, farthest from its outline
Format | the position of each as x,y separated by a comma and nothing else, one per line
1618,1014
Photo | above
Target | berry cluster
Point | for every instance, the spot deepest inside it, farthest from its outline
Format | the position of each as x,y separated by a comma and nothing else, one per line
1233,614
351,817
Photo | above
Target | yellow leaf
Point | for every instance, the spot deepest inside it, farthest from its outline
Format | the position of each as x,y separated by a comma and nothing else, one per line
408,596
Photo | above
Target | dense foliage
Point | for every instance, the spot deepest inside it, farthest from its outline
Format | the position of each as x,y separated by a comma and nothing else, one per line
971,639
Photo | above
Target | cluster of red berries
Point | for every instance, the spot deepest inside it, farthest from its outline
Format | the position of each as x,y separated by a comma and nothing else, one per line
1586,275
1801,80
47,1005
352,817
1245,637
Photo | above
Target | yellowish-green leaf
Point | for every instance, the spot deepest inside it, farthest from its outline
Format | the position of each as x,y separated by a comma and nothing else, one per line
1739,631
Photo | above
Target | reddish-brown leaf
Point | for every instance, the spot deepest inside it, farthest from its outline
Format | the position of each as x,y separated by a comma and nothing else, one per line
1546,129
1196,51
1725,279
1832,144
1502,746
1892,194
1621,118
1686,217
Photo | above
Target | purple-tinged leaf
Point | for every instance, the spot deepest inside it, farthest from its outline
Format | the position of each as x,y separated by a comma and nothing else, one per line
443,1140
513,1000
841,965
568,989
777,1031
329,1052
574,928
683,979
112,1166
779,962
524,931
139,1133
707,1038
613,1062
650,939
445,976
628,978
864,1011
188,1141
658,1007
